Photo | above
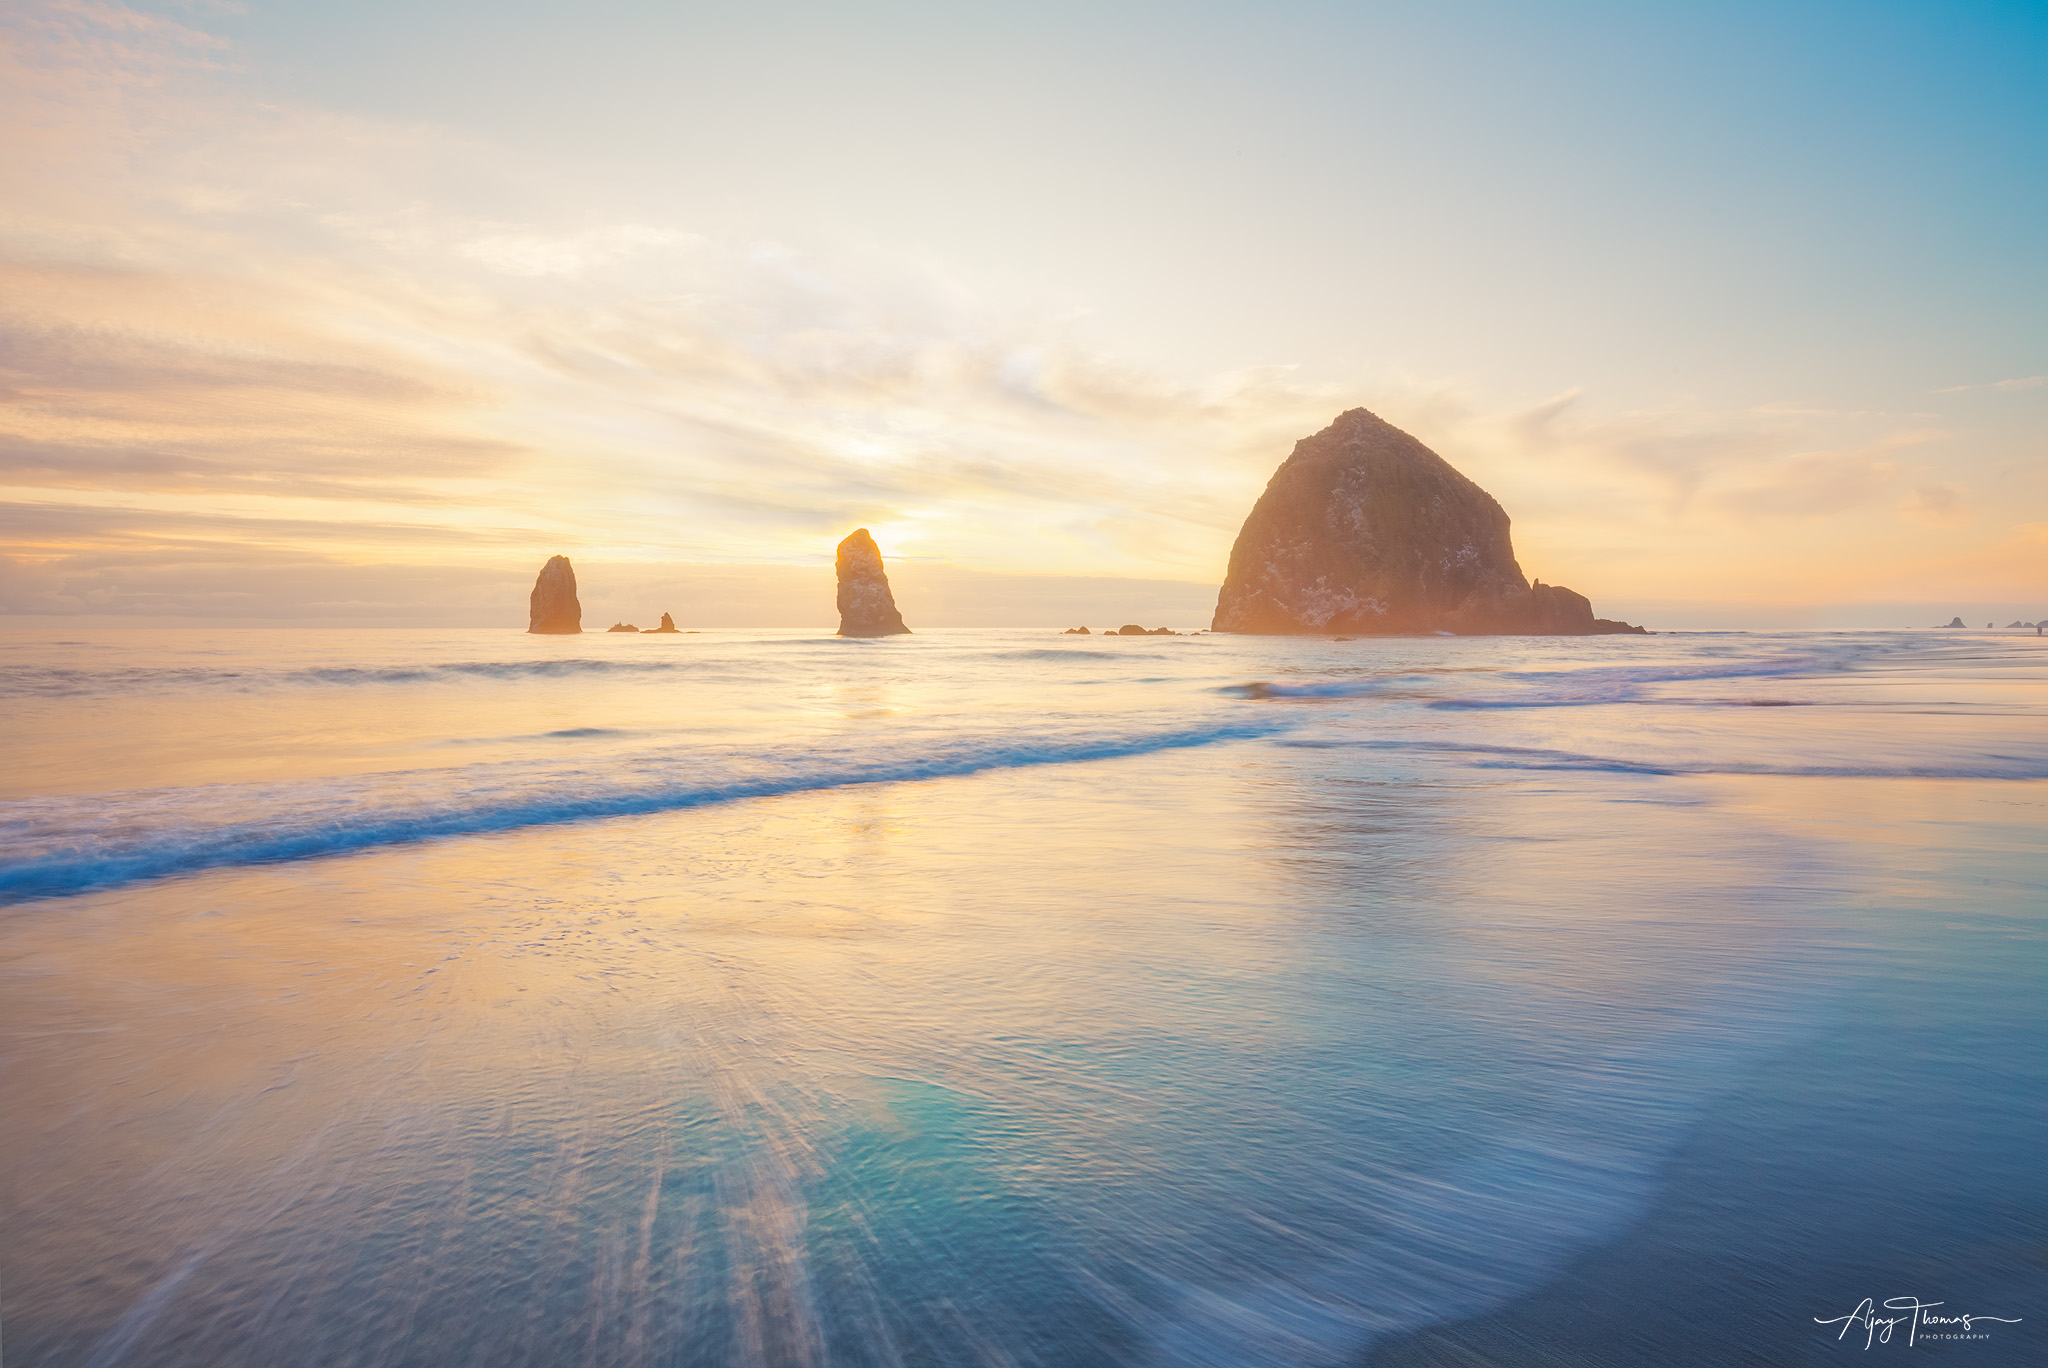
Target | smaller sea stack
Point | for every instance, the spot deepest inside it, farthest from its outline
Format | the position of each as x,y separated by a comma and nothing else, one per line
553,606
866,607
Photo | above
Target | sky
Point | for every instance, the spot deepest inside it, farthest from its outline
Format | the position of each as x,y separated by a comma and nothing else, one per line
356,313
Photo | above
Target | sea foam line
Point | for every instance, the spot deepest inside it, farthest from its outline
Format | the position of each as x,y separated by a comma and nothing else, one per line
65,682
1995,766
1545,688
50,847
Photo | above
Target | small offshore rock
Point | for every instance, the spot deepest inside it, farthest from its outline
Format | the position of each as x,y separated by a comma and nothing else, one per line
866,607
622,627
668,624
553,608
1076,631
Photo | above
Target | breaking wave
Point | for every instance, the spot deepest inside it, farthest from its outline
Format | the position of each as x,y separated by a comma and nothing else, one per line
55,846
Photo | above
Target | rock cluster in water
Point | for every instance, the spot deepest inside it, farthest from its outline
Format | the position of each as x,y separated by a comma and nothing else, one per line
668,624
622,627
1365,530
866,607
553,608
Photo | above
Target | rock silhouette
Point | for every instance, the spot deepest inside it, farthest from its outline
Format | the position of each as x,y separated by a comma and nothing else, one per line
553,608
622,627
1955,622
668,624
1078,631
1365,530
866,607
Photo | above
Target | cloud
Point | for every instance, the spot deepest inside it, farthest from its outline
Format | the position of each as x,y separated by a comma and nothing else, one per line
533,254
2025,382
1940,505
237,325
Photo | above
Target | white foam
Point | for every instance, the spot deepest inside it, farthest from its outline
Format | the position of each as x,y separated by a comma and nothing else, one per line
54,846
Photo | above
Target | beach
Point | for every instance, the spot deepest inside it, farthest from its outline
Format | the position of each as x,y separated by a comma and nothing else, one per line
435,997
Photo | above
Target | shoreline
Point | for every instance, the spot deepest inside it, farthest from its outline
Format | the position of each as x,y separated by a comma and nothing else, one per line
1882,1157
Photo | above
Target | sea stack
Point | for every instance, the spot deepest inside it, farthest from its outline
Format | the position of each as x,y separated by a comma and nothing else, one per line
668,624
866,607
1364,530
554,609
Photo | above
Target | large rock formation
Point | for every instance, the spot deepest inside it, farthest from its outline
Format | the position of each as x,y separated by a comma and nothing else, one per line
1366,530
866,607
553,607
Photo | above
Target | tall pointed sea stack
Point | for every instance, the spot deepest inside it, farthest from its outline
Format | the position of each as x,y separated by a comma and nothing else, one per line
1365,530
553,607
866,607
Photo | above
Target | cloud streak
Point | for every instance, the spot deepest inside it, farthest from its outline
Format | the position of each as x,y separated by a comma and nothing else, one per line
277,330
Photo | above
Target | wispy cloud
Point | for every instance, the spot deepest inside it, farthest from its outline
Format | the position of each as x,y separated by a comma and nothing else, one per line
2024,382
284,332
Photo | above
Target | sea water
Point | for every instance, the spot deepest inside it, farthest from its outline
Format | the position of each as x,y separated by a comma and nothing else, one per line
992,997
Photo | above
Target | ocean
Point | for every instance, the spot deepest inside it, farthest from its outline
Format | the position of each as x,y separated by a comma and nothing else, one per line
1005,997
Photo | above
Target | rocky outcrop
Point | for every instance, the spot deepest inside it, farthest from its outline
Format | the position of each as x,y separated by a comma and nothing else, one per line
668,624
553,608
622,627
1365,530
1955,622
866,607
1077,631
1133,629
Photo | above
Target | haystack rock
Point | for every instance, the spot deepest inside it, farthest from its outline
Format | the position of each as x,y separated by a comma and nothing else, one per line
1365,530
554,608
668,624
866,607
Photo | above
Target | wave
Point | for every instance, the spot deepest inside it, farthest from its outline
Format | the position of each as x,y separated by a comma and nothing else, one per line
50,847
1436,1247
1326,688
1987,766
29,681
1629,683
565,734
1072,653
1546,688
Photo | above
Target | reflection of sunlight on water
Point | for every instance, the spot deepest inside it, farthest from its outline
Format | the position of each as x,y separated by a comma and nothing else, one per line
782,1081
1238,1054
